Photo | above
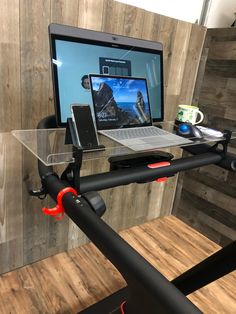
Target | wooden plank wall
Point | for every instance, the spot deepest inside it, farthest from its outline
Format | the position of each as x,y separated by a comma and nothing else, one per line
208,200
26,97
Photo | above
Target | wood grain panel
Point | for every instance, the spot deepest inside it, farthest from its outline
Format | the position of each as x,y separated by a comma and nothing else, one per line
166,35
222,50
221,34
10,92
27,97
115,24
11,213
221,217
212,190
191,64
35,105
10,110
151,26
222,68
179,55
91,14
65,12
206,215
213,211
11,216
72,281
191,217
200,74
133,21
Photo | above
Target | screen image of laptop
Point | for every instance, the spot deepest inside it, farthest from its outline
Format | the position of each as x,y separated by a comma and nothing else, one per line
122,113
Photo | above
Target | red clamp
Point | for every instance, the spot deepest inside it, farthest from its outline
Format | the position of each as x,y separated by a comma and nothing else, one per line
159,165
58,211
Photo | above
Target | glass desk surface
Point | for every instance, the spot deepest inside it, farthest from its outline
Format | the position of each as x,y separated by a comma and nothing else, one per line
48,145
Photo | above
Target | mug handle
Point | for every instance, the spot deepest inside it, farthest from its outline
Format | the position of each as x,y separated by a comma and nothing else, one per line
201,117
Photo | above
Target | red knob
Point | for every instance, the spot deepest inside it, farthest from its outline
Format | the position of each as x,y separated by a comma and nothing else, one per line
58,210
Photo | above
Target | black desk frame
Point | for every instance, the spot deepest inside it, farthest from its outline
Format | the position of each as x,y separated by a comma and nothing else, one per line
147,290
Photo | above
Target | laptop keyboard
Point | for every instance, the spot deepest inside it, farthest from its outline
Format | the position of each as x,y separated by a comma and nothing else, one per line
125,134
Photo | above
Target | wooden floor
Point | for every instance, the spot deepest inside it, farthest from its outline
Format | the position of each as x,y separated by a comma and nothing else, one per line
69,282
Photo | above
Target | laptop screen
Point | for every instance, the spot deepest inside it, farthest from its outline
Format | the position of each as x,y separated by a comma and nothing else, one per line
120,102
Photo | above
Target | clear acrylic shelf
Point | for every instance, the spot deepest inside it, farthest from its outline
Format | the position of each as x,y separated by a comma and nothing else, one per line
48,145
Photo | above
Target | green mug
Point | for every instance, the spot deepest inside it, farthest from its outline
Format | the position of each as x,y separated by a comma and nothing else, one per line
189,114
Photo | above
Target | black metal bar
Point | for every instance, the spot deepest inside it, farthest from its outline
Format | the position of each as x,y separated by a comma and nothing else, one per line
48,122
126,176
212,268
148,289
151,288
227,162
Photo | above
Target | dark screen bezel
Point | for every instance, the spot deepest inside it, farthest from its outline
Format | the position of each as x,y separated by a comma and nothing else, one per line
108,127
109,43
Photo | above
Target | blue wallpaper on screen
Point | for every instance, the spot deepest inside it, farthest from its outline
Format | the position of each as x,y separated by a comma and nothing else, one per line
75,60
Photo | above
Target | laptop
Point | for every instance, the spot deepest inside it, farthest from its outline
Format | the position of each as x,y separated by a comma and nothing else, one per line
122,113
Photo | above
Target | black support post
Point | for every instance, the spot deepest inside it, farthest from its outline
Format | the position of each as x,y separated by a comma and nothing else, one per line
215,266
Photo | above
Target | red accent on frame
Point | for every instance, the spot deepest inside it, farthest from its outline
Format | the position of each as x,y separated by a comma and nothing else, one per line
164,179
58,211
159,165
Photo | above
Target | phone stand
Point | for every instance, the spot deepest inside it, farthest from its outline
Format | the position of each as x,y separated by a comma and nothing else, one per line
72,138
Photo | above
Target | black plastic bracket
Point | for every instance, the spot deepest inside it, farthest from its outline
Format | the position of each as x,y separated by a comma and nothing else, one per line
95,202
76,166
224,143
71,138
138,159
40,193
72,172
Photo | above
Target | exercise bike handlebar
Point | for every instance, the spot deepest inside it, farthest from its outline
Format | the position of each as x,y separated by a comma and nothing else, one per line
160,294
138,273
115,178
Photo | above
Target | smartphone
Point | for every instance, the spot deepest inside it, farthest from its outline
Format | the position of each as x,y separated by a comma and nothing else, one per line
84,126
